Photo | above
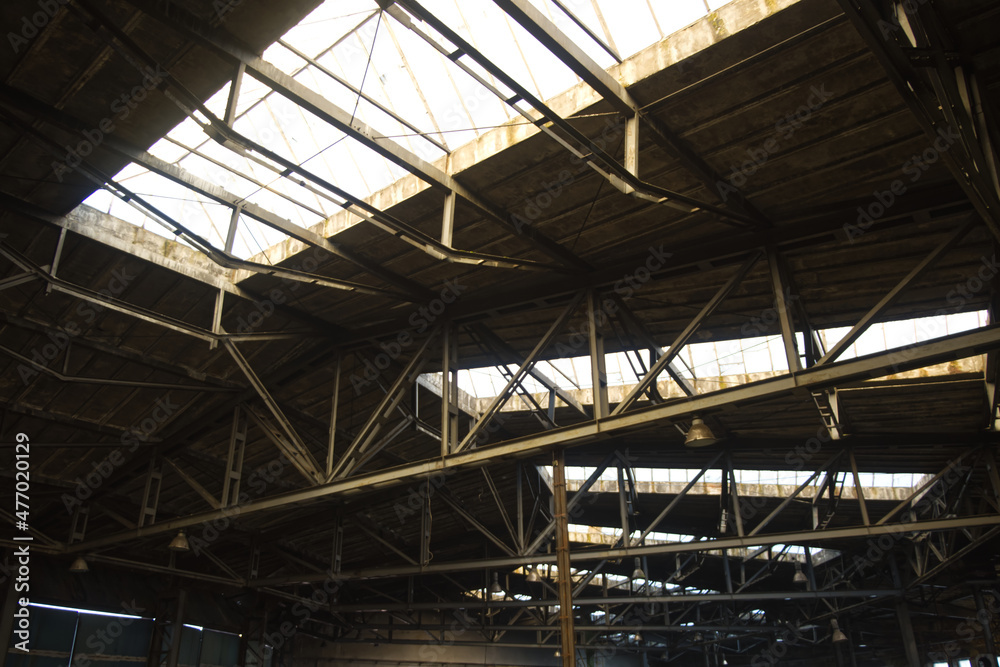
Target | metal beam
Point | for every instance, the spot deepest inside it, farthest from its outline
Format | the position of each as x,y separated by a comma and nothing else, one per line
293,447
234,458
216,255
892,361
923,103
598,365
858,329
631,321
561,516
351,458
522,371
512,356
212,191
779,285
574,57
676,598
110,382
194,484
219,194
684,336
223,43
334,410
717,253
676,500
609,168
476,523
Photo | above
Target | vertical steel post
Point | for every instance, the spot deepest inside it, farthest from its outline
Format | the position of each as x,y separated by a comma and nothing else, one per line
449,390
332,437
448,219
178,629
779,284
598,371
906,634
984,620
562,558
234,459
632,148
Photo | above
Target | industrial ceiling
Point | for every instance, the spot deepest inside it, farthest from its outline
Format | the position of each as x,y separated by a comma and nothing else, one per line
773,169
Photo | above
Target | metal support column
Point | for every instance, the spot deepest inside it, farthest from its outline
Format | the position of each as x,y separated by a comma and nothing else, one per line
779,284
332,437
983,617
426,519
562,559
234,460
632,148
338,543
598,372
178,629
449,390
906,634
151,494
448,219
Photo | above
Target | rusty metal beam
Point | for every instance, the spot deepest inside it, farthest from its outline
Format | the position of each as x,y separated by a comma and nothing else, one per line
892,361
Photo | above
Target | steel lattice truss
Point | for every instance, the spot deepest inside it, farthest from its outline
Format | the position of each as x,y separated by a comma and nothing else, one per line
306,427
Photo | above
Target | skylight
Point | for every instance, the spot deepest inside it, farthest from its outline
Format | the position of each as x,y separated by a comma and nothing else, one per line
408,91
720,363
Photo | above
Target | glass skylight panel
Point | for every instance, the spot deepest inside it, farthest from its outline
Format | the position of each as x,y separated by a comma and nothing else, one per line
330,21
256,238
252,92
584,11
282,58
167,151
704,360
550,75
674,16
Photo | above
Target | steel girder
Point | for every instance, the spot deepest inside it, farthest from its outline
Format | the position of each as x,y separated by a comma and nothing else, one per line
934,100
536,23
594,156
220,42
893,361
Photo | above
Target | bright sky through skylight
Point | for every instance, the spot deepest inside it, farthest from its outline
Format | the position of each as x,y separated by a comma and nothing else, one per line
710,362
408,89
